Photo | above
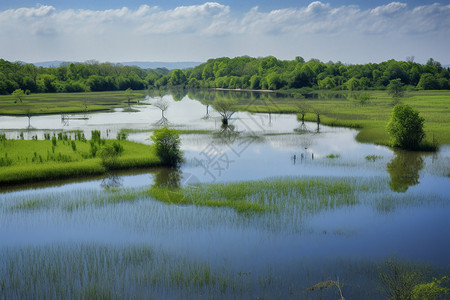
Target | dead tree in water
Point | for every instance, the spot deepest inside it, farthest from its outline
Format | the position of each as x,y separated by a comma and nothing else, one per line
163,105
226,109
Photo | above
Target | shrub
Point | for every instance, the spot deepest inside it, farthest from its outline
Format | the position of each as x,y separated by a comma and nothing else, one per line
405,127
108,154
167,143
398,279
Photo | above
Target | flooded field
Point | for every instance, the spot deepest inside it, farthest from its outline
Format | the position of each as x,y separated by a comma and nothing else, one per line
331,209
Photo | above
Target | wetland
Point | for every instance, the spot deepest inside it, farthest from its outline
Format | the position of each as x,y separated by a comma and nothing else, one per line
263,208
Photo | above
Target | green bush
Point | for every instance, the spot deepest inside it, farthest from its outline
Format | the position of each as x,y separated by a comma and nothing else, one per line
167,142
406,127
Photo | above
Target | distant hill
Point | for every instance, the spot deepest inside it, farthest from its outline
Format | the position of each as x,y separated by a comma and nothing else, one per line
140,64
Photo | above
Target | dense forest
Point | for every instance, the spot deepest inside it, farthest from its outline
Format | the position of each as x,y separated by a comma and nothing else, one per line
233,73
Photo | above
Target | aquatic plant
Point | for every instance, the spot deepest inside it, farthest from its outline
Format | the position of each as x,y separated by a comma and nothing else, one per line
326,285
398,279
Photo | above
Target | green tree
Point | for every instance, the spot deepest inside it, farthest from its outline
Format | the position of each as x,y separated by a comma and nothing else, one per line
353,84
167,143
396,88
177,78
406,127
129,94
428,82
19,95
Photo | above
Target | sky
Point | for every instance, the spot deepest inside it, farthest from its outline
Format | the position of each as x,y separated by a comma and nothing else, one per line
349,31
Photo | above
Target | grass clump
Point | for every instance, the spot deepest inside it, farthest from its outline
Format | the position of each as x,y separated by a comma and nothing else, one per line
373,157
260,196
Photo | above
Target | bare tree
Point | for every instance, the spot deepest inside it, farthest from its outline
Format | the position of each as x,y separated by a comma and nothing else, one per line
303,109
162,104
226,109
318,112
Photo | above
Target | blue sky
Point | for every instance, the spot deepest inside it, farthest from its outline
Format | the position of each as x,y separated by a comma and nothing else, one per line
114,30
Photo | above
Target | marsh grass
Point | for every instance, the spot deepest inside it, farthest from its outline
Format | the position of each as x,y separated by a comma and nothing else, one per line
96,271
373,157
261,196
129,266
289,197
103,272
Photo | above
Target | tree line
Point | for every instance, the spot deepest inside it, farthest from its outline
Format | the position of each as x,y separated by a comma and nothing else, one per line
267,73
75,77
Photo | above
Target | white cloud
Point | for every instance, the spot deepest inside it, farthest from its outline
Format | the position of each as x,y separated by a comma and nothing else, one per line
389,9
212,29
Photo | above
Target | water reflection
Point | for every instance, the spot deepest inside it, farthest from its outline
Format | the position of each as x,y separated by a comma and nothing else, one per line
226,135
404,170
168,177
111,181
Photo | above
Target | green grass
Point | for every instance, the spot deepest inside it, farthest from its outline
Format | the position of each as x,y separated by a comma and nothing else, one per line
370,118
56,103
33,160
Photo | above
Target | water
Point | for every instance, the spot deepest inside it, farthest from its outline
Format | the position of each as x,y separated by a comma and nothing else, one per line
400,209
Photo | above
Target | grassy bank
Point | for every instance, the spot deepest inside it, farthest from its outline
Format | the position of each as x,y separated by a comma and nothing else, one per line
369,116
34,160
56,103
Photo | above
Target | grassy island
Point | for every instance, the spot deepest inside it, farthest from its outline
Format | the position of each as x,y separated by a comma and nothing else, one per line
63,157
